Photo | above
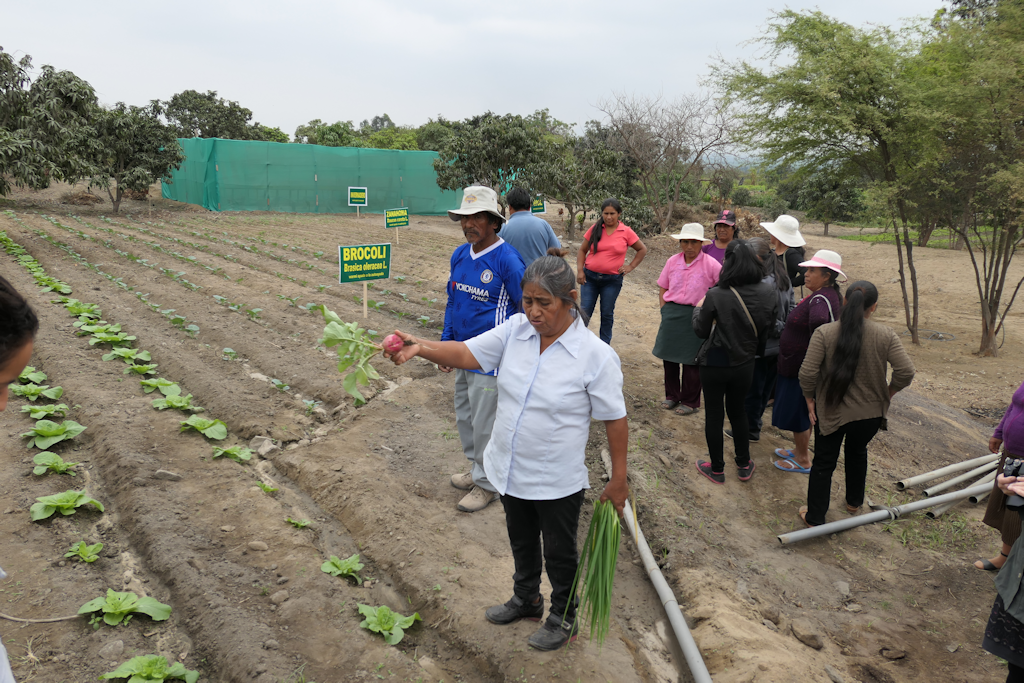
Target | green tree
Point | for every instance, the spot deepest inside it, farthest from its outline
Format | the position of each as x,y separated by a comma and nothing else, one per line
971,81
45,132
497,151
337,134
375,125
193,114
393,138
272,134
431,134
833,94
830,195
135,149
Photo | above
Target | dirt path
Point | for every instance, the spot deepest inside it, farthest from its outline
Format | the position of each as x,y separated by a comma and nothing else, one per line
906,607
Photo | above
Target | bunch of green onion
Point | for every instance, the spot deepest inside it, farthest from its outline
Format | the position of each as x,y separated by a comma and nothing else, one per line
596,570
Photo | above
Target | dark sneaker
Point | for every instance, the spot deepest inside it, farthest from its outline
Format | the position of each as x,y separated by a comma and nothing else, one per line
750,437
704,468
514,610
746,472
553,635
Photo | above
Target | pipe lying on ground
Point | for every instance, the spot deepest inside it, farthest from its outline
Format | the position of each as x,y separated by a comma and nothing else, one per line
978,497
977,471
935,513
880,516
668,599
943,471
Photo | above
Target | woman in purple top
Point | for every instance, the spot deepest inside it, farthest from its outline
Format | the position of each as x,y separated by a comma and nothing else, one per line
821,306
725,232
1010,435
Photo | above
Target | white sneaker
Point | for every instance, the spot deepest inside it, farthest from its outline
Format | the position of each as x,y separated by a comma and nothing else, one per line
477,499
463,481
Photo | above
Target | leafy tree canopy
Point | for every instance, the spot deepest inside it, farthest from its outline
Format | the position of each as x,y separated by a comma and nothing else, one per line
44,125
376,124
135,149
393,138
193,114
337,134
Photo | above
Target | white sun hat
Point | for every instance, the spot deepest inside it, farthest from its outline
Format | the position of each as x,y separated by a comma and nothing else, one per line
826,258
691,231
786,229
477,199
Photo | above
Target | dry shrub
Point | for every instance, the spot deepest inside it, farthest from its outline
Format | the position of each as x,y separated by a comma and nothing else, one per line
138,195
80,198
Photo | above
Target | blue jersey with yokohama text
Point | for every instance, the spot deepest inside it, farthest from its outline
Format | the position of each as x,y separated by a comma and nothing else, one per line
484,290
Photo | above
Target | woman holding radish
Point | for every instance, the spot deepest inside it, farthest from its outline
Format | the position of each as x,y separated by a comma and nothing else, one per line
554,377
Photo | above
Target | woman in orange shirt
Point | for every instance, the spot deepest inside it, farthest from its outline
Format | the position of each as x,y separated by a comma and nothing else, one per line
601,263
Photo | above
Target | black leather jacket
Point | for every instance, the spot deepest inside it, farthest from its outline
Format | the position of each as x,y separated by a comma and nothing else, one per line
732,341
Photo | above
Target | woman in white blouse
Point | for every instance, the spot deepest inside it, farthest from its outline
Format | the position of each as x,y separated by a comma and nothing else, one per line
554,376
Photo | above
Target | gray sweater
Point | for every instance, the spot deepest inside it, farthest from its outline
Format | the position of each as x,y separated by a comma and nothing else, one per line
868,394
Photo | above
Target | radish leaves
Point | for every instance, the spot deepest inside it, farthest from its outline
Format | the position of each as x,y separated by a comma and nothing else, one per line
236,453
166,387
117,607
34,391
355,349
46,410
178,402
47,433
66,503
51,462
213,429
30,374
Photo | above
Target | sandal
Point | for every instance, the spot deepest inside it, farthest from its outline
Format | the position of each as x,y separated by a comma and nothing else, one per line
787,465
853,510
669,404
987,565
685,410
785,453
803,516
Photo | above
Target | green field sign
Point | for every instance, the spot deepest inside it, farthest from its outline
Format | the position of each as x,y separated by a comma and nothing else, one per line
364,262
396,218
538,206
357,196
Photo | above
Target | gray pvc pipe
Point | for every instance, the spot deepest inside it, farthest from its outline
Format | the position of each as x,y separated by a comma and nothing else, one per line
977,471
668,599
943,471
935,513
881,515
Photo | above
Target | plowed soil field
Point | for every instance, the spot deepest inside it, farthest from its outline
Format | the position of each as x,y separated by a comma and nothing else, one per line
895,602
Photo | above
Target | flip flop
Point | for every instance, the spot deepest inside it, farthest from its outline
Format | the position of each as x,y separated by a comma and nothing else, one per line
785,453
792,466
685,410
669,404
987,566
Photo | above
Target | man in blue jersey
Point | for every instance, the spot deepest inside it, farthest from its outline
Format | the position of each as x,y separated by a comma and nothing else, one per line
531,236
484,290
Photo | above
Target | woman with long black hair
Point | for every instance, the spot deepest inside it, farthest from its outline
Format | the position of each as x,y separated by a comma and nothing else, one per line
734,317
843,378
601,263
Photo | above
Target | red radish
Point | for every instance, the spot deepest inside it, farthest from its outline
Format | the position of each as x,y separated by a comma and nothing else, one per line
393,343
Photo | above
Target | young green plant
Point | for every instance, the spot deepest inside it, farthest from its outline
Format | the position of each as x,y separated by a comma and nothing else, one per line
596,571
212,429
83,552
66,503
147,668
46,433
236,453
347,567
51,462
117,608
389,624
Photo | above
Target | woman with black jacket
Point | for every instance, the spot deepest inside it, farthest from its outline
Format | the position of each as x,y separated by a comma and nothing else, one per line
735,318
788,244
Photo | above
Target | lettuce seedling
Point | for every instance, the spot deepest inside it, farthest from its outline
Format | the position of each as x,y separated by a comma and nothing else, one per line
213,429
177,402
347,567
141,369
390,624
127,355
265,488
119,607
47,433
79,308
51,462
83,552
31,375
92,326
302,524
146,668
114,339
66,503
41,411
34,391
236,453
166,386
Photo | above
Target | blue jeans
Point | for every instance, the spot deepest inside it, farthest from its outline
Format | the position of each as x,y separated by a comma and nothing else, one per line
608,288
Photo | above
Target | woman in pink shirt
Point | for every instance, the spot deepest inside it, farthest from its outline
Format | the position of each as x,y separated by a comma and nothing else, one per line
601,263
685,279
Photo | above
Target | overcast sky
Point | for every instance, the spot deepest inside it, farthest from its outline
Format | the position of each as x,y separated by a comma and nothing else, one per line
290,62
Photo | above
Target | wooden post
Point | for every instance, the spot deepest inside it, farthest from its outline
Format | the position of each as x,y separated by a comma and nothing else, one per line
357,212
364,299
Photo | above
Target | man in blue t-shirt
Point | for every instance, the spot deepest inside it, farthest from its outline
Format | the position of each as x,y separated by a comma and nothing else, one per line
484,290
531,236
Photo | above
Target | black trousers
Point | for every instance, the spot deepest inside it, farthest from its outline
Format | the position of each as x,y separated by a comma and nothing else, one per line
1015,674
730,385
556,522
762,388
826,454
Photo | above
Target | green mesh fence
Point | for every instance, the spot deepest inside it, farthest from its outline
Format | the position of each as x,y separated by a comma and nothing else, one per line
244,175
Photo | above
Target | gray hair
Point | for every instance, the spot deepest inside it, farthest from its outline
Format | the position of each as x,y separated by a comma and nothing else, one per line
553,274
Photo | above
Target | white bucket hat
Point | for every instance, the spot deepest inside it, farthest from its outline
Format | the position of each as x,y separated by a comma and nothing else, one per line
786,229
826,258
477,199
691,231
